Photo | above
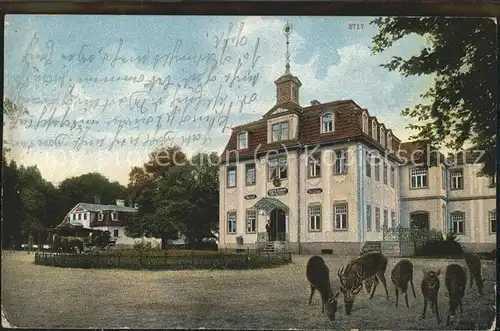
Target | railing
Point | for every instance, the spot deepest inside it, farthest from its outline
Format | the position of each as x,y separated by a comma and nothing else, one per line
262,237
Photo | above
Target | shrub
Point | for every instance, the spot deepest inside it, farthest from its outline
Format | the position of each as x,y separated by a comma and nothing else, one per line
441,248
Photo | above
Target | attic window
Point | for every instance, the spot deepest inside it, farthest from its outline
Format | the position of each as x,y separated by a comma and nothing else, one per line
382,136
243,140
374,130
114,216
365,123
327,124
100,216
389,141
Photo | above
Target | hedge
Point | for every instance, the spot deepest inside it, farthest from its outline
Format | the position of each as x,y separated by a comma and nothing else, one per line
162,260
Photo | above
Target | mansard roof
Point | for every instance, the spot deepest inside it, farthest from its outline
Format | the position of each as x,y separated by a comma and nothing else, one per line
348,125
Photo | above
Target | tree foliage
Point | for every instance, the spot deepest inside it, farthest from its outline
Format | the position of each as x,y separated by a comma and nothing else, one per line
461,55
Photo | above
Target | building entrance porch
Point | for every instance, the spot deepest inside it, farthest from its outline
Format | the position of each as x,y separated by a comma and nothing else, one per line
277,219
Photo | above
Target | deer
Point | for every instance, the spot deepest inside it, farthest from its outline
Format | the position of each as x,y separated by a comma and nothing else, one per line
455,280
318,275
401,275
357,271
430,289
474,265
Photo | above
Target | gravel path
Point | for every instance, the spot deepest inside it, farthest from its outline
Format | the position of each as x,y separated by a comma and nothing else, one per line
48,297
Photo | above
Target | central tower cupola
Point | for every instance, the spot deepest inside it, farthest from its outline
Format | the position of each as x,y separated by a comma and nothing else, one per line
287,86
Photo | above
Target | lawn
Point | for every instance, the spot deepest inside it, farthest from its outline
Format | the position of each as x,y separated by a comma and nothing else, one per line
48,297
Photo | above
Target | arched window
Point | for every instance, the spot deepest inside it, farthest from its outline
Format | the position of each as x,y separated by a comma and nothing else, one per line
389,141
374,130
365,123
382,136
114,216
457,222
243,140
327,123
100,216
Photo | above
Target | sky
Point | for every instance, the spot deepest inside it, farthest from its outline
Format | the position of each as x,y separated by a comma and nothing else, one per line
101,92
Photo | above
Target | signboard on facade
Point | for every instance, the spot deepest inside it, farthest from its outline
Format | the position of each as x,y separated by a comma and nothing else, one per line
314,190
250,197
277,191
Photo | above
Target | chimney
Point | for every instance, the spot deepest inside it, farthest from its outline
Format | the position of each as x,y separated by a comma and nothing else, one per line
315,102
97,200
120,202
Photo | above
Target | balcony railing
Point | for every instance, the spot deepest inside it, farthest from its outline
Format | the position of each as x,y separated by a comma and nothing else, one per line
263,237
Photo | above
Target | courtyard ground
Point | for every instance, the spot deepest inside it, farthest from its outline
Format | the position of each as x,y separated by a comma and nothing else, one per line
48,297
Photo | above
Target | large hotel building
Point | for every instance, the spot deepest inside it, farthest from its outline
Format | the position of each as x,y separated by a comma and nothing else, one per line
332,176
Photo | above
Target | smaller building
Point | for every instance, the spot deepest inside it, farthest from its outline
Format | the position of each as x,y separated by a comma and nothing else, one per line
110,218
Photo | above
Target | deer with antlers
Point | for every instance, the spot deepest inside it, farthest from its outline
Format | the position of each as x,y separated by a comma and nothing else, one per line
318,275
430,289
474,265
357,271
455,280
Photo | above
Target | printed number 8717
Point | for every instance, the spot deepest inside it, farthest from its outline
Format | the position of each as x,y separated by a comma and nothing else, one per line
355,26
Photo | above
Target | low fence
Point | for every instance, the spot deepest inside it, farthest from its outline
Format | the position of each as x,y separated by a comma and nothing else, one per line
163,260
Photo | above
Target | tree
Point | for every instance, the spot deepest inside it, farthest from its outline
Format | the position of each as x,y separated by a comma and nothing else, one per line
461,55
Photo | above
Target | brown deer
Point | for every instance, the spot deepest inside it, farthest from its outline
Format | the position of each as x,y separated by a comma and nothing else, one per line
318,276
401,275
359,270
430,289
474,265
455,280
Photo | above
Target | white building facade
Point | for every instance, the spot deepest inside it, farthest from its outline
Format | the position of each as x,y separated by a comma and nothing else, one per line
331,176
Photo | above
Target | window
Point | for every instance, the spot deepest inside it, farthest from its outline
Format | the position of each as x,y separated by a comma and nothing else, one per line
315,218
251,217
377,219
418,177
457,222
327,123
85,216
115,233
114,216
314,165
365,123
231,222
79,217
445,221
100,216
393,219
231,176
385,173
250,173
393,175
243,140
374,130
382,136
368,164
492,215
295,93
368,218
280,131
377,169
340,221
340,161
278,167
389,141
492,181
386,219
456,179
443,178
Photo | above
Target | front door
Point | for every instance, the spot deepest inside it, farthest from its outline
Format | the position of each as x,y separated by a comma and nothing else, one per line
278,225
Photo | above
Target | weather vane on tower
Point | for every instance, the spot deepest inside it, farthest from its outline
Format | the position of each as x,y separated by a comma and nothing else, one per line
287,29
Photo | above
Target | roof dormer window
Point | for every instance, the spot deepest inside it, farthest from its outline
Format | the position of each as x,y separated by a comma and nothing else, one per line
389,141
114,216
327,124
100,216
365,123
382,136
243,140
374,130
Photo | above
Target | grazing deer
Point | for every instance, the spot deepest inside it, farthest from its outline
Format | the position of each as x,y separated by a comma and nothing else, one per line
455,280
430,289
318,276
474,265
359,270
401,275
